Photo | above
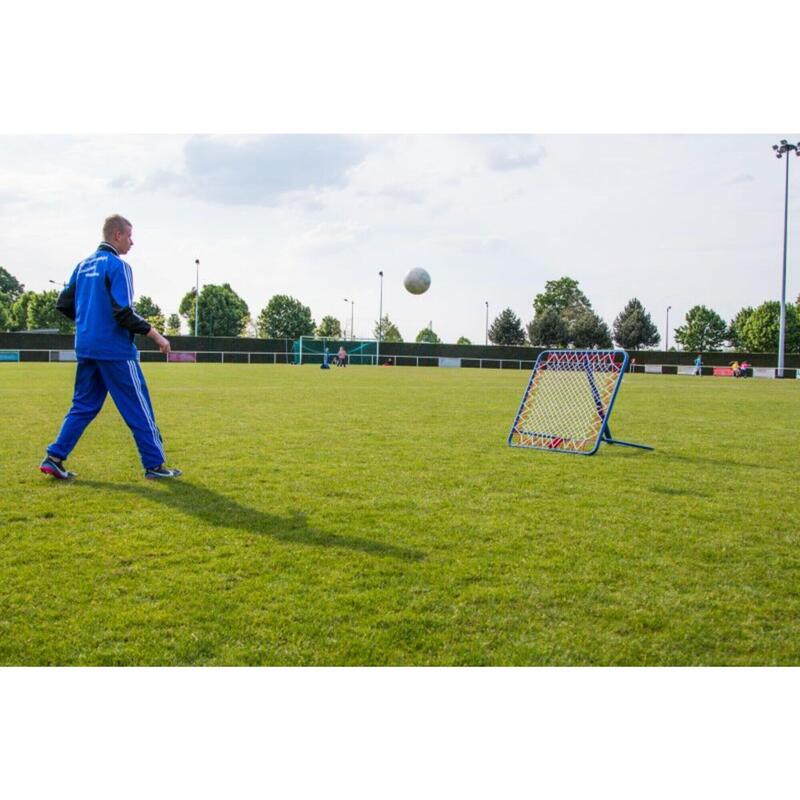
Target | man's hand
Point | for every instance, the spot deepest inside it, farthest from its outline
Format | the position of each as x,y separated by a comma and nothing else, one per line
163,344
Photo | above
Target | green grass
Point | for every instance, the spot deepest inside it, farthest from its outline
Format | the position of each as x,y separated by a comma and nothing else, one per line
376,516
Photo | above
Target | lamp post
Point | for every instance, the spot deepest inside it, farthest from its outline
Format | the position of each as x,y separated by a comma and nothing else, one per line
486,340
666,332
780,149
352,304
380,323
196,295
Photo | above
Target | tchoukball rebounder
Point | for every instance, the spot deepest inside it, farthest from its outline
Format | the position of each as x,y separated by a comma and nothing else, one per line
568,402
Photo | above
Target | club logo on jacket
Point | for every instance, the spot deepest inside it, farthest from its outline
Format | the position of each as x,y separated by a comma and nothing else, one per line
89,268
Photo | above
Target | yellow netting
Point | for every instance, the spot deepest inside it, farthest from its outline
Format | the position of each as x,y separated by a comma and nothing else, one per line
567,400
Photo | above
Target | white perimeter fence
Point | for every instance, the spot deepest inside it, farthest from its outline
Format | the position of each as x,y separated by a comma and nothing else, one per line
283,357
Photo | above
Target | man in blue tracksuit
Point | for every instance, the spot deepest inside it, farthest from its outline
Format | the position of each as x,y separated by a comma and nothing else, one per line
99,297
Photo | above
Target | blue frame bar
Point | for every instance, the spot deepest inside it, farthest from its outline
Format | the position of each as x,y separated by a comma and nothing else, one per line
604,433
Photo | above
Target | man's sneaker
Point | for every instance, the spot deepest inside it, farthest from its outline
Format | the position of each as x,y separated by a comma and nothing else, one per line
55,468
162,472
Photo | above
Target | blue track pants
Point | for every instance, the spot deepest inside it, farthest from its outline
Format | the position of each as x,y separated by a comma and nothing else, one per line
124,380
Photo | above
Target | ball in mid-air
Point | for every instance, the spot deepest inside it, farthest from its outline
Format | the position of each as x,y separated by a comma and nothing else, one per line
417,281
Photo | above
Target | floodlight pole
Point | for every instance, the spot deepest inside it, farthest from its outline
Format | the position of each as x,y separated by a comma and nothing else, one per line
666,332
196,295
352,304
486,340
784,148
380,324
782,334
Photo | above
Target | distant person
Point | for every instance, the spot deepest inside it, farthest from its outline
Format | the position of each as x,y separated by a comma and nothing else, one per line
99,298
698,365
736,369
743,370
342,357
325,364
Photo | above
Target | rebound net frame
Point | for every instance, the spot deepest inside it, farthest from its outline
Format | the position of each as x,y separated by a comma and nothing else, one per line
568,402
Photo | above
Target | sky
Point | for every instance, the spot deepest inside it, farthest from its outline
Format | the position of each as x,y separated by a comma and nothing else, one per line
674,220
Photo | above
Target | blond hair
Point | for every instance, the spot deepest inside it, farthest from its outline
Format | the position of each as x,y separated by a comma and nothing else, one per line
114,224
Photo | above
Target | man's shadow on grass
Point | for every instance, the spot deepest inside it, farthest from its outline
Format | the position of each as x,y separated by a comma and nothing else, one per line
220,511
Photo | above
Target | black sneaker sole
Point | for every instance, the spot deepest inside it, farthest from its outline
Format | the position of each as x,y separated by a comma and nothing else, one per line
156,476
48,470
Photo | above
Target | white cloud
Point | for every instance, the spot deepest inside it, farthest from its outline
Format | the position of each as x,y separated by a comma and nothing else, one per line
122,182
402,194
259,170
471,244
505,153
328,238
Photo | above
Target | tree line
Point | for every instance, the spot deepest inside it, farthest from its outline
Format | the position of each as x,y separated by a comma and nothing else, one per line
562,317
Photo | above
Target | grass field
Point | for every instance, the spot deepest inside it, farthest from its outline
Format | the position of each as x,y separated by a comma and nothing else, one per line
376,516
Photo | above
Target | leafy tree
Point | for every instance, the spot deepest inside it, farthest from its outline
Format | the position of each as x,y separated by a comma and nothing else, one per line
736,328
5,311
9,285
285,318
173,325
633,328
391,333
19,312
330,327
426,335
579,325
562,296
186,310
761,331
42,313
10,291
148,310
589,330
221,311
704,331
225,313
463,340
548,329
507,329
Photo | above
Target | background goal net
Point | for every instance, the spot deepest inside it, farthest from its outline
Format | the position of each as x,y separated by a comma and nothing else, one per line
311,350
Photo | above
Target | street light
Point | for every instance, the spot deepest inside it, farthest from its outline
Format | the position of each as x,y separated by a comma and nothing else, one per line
784,147
59,283
486,342
666,332
352,303
380,323
196,295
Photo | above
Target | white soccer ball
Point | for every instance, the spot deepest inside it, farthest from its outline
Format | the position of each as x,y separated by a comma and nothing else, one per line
417,281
